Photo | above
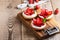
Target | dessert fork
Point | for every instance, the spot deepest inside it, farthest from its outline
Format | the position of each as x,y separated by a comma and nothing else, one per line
10,28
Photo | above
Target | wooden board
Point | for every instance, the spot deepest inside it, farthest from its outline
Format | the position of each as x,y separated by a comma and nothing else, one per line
41,34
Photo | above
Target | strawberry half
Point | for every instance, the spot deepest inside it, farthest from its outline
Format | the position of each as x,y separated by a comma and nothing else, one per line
37,7
31,1
43,11
34,21
37,0
50,12
56,11
29,11
38,22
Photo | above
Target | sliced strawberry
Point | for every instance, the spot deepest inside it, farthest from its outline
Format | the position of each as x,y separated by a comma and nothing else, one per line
27,8
50,12
43,11
31,1
42,24
56,11
45,16
39,21
26,12
37,7
34,21
29,11
46,12
32,11
37,0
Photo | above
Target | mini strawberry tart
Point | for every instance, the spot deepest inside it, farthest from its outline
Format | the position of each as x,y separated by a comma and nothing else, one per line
46,14
38,23
29,13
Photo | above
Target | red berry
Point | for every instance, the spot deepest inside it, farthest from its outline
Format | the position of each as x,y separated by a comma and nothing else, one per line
56,11
34,21
26,12
29,11
43,12
50,12
32,11
37,7
41,24
28,8
45,16
31,1
39,21
46,12
37,0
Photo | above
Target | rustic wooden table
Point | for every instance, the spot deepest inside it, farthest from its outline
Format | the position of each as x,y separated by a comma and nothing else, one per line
19,31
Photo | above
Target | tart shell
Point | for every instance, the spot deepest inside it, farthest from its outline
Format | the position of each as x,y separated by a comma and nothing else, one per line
37,27
29,17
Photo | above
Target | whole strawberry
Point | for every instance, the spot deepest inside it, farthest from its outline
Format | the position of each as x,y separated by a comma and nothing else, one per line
37,7
37,0
56,11
31,1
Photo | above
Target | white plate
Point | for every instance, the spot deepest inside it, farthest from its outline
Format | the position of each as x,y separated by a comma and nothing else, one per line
20,6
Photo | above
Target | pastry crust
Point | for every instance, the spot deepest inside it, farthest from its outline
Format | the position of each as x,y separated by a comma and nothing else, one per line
47,17
29,17
37,27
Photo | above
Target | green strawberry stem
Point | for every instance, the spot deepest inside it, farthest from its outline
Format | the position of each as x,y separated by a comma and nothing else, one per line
44,20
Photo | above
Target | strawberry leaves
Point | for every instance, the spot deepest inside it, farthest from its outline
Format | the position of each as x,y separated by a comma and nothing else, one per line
44,20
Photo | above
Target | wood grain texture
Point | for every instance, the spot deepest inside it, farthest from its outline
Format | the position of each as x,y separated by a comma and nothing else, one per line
7,7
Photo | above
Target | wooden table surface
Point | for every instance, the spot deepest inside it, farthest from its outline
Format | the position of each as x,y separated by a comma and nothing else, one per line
7,7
